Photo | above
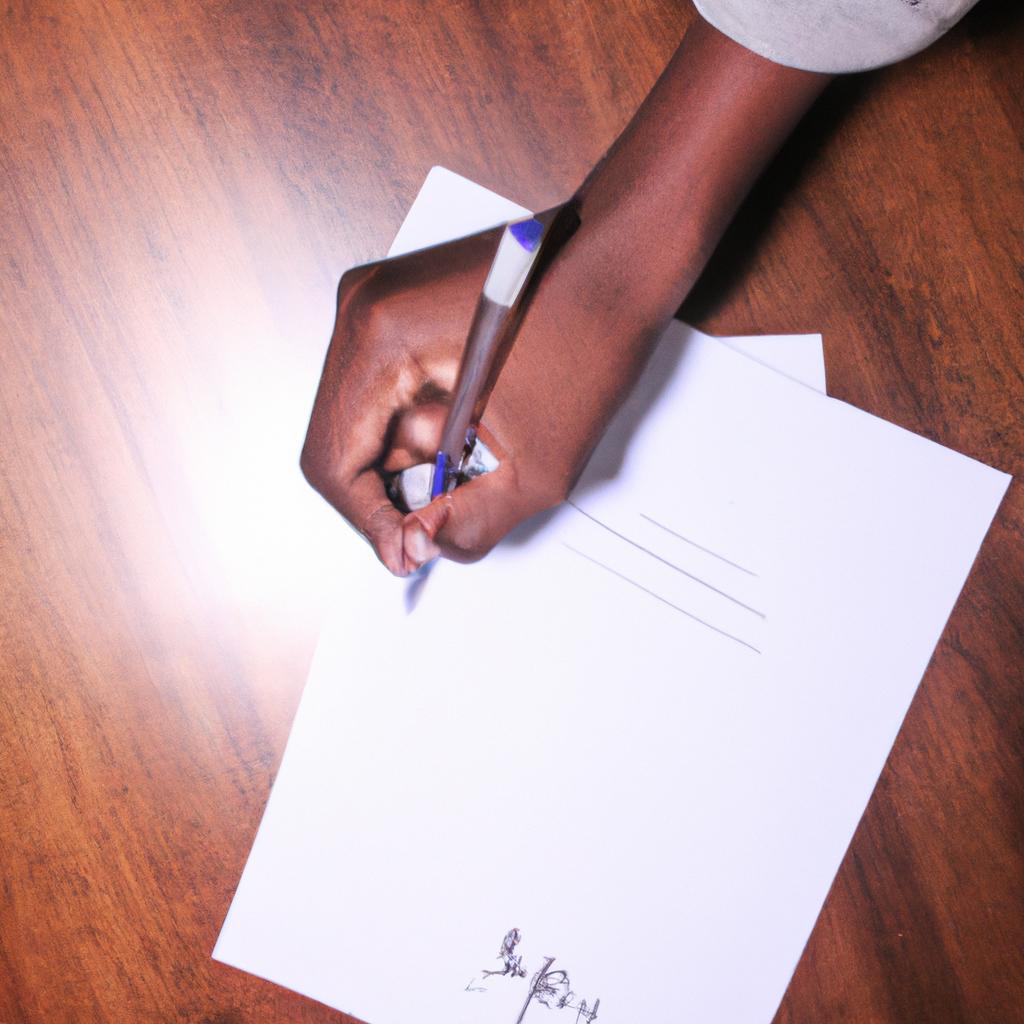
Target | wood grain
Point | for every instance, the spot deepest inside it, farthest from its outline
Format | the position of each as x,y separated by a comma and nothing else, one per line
180,188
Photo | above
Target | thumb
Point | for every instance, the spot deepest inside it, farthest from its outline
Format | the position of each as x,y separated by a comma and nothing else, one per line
465,524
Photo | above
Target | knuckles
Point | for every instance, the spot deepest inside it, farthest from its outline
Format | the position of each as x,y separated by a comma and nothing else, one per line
361,304
551,495
471,538
469,551
314,467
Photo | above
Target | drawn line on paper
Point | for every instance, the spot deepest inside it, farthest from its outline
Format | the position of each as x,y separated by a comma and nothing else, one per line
665,561
663,600
699,547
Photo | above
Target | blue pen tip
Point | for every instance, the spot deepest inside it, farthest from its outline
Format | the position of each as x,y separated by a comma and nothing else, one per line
527,233
437,485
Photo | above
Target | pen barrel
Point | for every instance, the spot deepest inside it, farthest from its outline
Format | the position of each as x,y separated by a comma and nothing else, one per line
483,345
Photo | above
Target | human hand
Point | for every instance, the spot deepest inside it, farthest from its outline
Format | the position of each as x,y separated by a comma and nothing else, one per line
400,330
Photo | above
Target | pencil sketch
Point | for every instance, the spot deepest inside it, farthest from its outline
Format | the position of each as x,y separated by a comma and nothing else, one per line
547,987
512,961
552,989
658,597
694,544
664,561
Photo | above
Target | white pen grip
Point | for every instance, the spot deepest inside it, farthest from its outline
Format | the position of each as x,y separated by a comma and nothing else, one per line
511,266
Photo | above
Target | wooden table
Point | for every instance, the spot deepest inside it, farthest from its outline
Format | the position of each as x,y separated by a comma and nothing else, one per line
182,185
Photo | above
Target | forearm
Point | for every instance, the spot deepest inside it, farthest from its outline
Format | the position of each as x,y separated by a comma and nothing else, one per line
651,213
656,206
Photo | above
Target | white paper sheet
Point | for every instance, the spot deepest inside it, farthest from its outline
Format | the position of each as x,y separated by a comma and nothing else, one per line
654,737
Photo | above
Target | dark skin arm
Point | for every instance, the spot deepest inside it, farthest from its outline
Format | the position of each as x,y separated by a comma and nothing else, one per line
651,213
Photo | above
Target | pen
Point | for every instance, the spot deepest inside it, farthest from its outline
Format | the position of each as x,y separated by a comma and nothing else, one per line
514,261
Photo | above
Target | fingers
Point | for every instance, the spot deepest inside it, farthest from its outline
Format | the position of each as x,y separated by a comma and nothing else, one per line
467,523
358,396
382,526
363,501
419,531
381,406
339,460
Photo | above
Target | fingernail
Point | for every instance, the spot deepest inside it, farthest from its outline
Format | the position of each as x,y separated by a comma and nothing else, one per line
396,569
418,546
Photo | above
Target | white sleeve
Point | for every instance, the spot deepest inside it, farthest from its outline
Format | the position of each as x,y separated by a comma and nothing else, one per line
833,35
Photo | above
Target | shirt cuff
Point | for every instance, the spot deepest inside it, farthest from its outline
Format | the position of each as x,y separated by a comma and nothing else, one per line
833,36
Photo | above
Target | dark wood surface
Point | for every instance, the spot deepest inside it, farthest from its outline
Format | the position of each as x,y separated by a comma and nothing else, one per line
180,187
